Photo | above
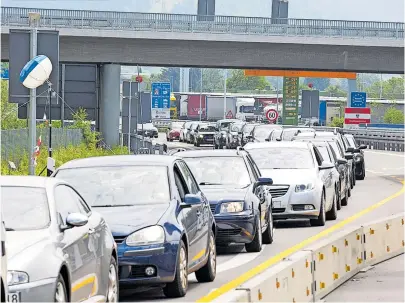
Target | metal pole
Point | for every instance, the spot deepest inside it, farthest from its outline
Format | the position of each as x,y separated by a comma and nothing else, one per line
277,101
62,106
381,86
139,109
225,78
32,128
49,172
201,88
310,109
129,117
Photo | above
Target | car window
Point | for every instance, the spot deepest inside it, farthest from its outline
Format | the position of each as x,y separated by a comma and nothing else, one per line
191,183
318,156
66,203
247,129
220,170
347,143
282,158
120,185
288,134
334,155
336,148
24,208
255,171
324,153
351,141
341,148
262,132
275,134
181,187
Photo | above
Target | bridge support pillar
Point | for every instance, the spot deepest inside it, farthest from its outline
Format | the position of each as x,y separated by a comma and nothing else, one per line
352,88
110,103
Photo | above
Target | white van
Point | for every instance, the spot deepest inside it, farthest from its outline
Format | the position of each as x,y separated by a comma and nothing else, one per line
3,277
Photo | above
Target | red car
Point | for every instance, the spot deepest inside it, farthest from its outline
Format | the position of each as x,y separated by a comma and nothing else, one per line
173,131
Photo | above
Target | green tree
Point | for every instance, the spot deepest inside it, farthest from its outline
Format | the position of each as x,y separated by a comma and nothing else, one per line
213,79
337,122
9,111
392,89
238,81
318,83
335,91
91,138
394,116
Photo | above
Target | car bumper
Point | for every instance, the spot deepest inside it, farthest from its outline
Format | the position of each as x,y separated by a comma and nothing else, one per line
37,291
205,140
133,261
291,205
239,228
174,137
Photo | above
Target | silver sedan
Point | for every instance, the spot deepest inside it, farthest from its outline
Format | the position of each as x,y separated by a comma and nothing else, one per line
58,249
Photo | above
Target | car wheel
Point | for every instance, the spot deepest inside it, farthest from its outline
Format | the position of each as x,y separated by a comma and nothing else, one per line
178,288
363,173
332,214
60,291
349,192
321,220
209,271
112,292
354,177
215,145
197,144
345,200
338,198
268,235
256,244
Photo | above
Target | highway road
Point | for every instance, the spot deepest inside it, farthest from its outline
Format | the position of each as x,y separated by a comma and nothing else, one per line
379,195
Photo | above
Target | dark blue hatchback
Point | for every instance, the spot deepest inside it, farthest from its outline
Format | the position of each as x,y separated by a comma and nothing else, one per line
159,218
239,199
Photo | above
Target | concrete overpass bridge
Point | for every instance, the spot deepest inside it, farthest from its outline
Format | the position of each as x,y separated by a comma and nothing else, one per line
217,41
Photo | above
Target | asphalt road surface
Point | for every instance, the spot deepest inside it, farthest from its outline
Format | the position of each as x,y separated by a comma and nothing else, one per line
383,185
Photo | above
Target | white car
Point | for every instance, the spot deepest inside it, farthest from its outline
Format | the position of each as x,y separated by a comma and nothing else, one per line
3,277
304,187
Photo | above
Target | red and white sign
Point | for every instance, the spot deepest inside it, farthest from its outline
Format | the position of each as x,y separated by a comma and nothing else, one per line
357,115
272,115
229,115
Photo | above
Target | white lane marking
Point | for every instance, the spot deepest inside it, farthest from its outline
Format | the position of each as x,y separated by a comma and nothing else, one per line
386,153
239,259
378,173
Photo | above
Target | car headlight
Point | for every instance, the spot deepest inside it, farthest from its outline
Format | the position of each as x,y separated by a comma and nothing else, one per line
201,136
232,207
147,236
16,277
304,187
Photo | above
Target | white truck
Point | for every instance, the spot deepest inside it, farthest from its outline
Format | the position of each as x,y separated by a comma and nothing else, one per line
245,108
215,108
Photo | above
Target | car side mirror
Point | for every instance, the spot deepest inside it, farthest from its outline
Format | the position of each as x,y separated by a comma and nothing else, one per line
326,165
349,156
363,146
267,140
341,161
249,137
262,181
191,200
356,150
75,220
350,150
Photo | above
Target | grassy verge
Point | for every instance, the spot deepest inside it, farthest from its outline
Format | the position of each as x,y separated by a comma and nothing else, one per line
61,156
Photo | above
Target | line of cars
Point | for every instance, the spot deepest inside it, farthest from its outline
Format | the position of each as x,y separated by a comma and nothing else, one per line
103,224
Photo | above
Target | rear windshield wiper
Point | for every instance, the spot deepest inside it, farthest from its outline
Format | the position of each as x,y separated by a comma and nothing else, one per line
10,229
209,183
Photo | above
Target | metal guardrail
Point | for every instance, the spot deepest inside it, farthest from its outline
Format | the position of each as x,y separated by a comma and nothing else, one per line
132,21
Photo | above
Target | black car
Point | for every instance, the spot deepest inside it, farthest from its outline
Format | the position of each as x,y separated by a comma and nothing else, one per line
358,156
160,219
221,132
238,195
204,134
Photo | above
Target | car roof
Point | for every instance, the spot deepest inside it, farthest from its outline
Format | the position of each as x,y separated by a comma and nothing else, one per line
287,144
325,134
209,153
27,181
228,120
121,160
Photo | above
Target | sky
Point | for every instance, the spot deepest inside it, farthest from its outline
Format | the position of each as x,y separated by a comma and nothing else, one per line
364,10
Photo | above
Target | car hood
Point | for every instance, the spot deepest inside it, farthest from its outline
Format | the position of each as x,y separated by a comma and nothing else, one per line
19,241
127,219
216,193
289,176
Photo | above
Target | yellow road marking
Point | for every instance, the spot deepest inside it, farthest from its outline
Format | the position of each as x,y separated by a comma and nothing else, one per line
199,255
266,264
83,283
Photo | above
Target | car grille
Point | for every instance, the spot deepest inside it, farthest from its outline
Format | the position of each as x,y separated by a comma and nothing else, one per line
119,239
208,137
213,207
278,210
222,233
278,191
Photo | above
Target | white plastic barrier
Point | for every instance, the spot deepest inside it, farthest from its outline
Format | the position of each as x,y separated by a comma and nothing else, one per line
383,239
311,274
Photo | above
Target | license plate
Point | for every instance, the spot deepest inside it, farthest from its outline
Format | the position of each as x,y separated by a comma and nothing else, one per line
14,297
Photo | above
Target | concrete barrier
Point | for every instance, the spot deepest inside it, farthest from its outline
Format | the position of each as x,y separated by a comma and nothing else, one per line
311,274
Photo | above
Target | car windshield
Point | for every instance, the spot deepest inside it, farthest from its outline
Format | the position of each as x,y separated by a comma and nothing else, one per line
119,185
248,128
262,132
351,141
282,158
248,109
219,170
324,153
24,208
225,125
177,125
276,134
207,128
288,134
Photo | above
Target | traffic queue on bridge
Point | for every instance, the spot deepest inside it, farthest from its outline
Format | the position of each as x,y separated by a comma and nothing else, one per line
104,224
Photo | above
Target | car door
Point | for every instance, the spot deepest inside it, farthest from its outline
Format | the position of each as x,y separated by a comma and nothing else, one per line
190,219
202,213
75,243
326,177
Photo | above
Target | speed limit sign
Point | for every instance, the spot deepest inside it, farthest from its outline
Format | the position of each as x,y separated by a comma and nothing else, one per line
272,115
